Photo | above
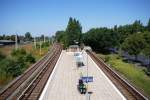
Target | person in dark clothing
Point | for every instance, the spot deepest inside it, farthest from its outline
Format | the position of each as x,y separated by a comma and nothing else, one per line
82,87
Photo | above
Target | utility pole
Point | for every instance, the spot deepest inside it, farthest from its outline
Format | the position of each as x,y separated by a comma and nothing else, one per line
49,40
16,42
52,40
35,42
44,38
40,47
87,95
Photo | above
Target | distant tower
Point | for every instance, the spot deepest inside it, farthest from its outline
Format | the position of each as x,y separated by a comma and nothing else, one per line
16,42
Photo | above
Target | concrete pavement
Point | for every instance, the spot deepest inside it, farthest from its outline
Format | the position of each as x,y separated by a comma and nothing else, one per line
62,84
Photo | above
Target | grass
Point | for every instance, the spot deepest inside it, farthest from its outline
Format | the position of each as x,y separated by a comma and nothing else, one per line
4,79
6,50
35,52
134,74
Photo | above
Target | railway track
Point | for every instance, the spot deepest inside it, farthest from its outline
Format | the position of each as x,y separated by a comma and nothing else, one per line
35,88
127,90
10,91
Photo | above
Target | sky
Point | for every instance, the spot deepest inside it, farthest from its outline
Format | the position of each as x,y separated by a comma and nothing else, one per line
48,16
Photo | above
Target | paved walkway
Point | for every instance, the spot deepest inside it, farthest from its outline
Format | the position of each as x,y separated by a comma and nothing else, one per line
62,85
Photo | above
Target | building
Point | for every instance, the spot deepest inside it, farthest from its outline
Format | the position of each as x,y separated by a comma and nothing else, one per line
6,42
73,48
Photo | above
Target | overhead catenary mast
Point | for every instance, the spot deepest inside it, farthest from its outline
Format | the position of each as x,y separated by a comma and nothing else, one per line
16,42
44,38
35,42
40,46
49,40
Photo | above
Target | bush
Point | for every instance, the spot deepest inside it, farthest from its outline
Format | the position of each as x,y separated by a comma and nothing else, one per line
18,52
22,52
3,63
30,58
147,71
107,58
15,65
118,57
14,52
13,68
1,56
46,44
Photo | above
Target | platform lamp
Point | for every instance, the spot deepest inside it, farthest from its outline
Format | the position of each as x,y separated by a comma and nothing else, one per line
89,95
87,74
76,42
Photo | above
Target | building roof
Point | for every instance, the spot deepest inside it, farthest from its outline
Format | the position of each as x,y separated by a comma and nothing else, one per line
6,41
73,46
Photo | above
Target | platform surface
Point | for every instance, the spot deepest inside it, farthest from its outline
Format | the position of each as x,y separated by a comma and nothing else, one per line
62,84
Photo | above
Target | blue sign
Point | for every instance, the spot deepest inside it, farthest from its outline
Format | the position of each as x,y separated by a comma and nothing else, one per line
87,79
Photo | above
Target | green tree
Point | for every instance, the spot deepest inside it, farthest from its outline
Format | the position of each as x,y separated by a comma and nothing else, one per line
148,25
28,36
124,32
61,37
30,58
1,37
146,50
137,26
129,29
101,39
13,37
73,31
134,44
42,37
115,28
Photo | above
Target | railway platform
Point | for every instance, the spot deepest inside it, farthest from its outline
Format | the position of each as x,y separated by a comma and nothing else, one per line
62,84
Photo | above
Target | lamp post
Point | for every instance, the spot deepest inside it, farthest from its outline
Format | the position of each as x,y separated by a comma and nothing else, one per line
76,42
89,95
87,74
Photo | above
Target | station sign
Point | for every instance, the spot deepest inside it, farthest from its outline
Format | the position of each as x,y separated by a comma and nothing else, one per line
87,79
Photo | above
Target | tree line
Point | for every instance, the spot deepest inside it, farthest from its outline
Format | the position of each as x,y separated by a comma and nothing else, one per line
26,37
72,35
133,38
100,39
